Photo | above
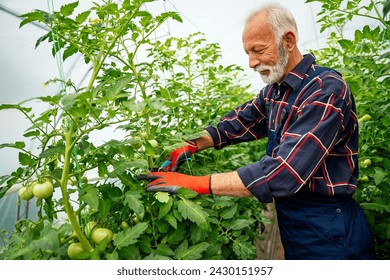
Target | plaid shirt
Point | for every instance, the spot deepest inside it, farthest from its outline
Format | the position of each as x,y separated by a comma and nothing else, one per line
319,140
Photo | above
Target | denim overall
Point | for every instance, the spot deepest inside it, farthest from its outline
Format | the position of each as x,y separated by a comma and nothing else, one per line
319,227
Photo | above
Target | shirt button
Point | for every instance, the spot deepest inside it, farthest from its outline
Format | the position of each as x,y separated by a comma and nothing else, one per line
338,210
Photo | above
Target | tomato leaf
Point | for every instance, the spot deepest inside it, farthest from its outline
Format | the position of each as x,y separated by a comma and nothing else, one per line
386,8
53,151
154,256
164,249
37,15
25,159
124,165
68,100
32,133
80,18
379,175
13,106
67,10
243,248
240,224
163,197
10,181
43,38
171,220
149,150
134,105
197,234
112,256
104,207
130,235
48,241
102,168
133,201
378,207
195,252
165,208
180,251
91,197
69,51
186,193
229,212
16,145
193,212
113,91
176,236
174,15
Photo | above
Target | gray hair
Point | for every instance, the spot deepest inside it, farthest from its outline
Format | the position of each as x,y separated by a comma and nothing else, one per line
280,19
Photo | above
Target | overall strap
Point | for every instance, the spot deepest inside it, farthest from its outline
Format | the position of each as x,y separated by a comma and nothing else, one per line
274,136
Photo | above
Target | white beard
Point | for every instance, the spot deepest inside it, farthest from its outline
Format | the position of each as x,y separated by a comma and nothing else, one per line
275,72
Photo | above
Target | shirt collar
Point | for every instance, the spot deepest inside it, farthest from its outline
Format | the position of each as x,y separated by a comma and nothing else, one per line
295,77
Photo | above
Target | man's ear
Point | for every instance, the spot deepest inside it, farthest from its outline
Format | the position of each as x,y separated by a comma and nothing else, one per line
289,40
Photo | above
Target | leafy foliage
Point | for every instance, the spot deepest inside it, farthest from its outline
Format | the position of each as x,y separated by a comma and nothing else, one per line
364,62
170,95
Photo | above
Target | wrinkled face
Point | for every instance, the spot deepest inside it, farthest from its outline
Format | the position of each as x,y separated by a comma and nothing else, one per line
265,55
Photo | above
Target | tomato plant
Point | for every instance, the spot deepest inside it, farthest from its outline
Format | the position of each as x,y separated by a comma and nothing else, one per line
364,61
156,94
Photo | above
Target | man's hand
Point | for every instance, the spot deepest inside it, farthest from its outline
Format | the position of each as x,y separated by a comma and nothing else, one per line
179,156
172,181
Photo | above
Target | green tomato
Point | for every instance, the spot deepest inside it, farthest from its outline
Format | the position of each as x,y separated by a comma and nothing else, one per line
364,178
43,190
26,193
90,227
99,234
365,118
76,251
153,143
367,162
124,225
72,181
136,219
143,135
136,143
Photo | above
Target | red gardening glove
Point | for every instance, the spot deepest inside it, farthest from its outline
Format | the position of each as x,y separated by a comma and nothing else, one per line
178,156
172,181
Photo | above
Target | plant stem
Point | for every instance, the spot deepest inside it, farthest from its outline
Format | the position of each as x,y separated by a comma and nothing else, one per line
380,18
147,121
105,51
65,195
369,16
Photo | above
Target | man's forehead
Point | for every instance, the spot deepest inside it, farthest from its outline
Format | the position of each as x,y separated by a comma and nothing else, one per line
257,23
257,29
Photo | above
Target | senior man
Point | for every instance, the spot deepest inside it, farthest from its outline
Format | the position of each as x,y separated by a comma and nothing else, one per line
311,165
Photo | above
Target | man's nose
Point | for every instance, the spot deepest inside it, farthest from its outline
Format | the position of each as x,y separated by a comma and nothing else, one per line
253,61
